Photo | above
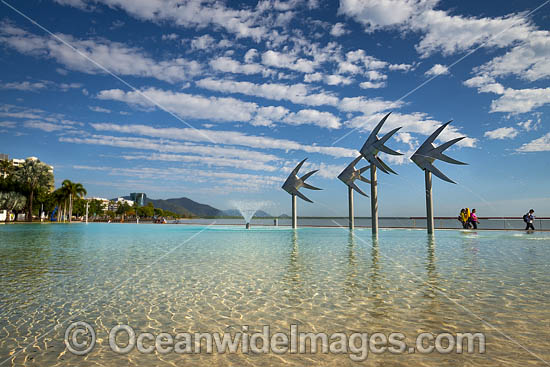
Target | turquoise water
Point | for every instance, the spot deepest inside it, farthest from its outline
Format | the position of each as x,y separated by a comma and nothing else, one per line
179,278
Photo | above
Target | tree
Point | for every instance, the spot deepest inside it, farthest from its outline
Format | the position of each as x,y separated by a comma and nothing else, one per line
32,176
74,190
12,201
146,211
6,168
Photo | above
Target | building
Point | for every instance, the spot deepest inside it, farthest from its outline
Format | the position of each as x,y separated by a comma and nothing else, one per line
139,198
104,202
114,204
17,162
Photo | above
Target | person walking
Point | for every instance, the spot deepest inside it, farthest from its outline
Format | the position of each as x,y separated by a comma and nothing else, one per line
473,219
529,218
463,218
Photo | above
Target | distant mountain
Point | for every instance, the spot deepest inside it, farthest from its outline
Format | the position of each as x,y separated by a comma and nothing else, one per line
185,206
236,213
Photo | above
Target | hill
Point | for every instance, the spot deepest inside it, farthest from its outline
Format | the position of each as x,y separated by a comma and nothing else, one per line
185,206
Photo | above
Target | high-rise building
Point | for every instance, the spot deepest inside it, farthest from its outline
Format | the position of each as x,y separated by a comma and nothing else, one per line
138,197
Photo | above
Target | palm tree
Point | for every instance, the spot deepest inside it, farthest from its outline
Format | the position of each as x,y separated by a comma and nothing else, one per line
11,201
60,198
74,190
33,175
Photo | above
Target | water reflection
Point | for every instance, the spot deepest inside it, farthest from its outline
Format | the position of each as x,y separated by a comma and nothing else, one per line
376,281
293,278
352,281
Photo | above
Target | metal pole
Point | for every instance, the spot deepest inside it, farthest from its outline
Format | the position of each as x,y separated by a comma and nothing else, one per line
87,204
429,202
351,218
294,213
374,199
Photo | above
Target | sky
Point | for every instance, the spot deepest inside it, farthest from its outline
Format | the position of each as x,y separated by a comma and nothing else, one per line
219,100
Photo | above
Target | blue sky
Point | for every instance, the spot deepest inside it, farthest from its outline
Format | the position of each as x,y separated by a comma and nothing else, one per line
218,101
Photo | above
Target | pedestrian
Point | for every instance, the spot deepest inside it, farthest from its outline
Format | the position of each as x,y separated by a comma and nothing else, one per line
463,218
529,218
473,219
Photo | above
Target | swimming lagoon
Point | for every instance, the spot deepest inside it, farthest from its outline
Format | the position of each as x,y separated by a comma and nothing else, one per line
183,278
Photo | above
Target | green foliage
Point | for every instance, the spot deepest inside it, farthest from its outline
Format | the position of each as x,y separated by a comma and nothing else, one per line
146,211
32,176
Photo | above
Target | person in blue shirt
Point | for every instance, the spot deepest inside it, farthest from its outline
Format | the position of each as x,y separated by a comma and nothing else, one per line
529,218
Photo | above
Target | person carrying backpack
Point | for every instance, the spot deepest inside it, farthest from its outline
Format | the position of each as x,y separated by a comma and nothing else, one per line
529,218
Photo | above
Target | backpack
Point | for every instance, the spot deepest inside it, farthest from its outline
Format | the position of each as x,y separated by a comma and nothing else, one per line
526,218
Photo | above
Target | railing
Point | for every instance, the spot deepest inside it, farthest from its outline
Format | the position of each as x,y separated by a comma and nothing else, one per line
542,223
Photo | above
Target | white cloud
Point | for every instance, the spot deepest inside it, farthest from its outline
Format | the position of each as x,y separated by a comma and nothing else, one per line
372,85
530,125
221,109
296,93
437,69
338,30
501,133
251,55
45,126
541,144
99,109
228,65
528,60
313,117
169,37
207,42
187,105
193,14
218,161
28,86
376,14
314,77
336,79
450,34
115,56
8,124
366,105
225,181
401,67
375,75
25,86
219,136
287,61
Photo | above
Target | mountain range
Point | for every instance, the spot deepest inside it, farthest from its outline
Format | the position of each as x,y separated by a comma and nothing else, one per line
186,206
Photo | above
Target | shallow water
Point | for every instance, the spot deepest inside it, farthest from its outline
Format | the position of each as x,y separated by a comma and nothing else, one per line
170,278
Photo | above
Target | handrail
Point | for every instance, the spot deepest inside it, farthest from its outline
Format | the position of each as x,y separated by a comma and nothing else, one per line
501,218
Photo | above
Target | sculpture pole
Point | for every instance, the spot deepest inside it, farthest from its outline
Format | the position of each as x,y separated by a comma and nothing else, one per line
424,158
351,217
294,212
429,202
293,184
374,199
